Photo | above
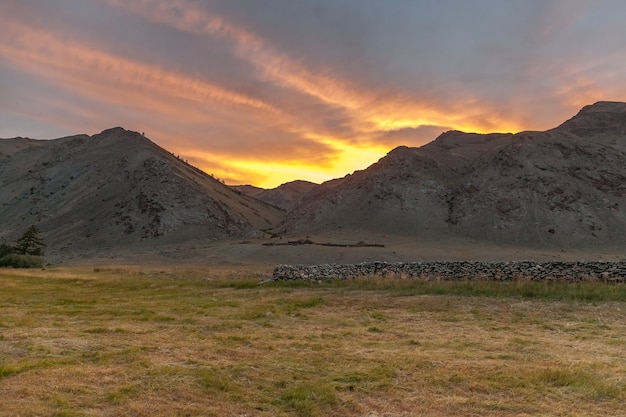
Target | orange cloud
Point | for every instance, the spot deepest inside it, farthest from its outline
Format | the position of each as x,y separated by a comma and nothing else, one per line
93,72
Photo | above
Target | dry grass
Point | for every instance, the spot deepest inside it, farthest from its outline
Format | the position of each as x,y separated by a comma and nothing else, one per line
196,343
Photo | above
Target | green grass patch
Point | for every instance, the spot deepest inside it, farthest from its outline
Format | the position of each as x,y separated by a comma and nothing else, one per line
6,371
123,393
214,379
307,399
586,291
588,382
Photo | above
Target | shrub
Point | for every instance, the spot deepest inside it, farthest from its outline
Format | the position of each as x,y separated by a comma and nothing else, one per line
16,260
5,250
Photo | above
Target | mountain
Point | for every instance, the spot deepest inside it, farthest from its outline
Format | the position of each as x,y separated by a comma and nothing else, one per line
565,187
117,188
562,188
285,196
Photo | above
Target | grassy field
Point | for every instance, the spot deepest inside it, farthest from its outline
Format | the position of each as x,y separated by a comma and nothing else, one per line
122,342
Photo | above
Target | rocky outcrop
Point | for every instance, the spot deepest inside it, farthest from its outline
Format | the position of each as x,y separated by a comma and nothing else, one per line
582,271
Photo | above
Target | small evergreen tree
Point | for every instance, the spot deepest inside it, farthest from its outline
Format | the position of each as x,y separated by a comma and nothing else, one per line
30,243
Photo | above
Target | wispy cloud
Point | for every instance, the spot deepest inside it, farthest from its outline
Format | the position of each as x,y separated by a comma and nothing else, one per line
371,110
94,72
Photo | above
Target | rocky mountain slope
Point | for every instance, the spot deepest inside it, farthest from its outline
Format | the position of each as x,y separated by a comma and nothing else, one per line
285,196
113,189
565,187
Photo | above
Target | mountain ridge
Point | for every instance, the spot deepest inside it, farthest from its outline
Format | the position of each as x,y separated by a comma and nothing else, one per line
558,188
285,196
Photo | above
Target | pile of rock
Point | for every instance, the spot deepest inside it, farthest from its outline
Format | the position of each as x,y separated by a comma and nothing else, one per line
610,272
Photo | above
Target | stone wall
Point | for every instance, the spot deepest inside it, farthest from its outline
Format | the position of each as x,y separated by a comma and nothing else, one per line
610,272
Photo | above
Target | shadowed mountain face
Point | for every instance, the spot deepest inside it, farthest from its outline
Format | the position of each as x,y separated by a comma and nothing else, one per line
285,196
565,187
113,189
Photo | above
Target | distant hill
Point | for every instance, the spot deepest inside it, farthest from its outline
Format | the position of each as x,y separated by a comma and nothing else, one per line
565,187
117,188
285,196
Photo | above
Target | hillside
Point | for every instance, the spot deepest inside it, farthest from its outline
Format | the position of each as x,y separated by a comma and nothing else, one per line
285,196
561,188
117,189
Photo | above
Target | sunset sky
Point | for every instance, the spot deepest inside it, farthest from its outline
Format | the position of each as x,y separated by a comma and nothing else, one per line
268,91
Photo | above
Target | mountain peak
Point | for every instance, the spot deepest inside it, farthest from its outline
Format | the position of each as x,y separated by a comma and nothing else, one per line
112,131
604,107
117,132
455,138
603,117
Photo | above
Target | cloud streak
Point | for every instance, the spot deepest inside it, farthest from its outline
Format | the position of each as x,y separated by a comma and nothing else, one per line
67,63
369,108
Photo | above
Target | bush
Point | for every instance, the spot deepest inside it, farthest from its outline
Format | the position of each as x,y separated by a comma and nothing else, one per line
21,261
5,250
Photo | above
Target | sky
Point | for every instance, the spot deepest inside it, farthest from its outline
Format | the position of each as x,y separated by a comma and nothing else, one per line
264,92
